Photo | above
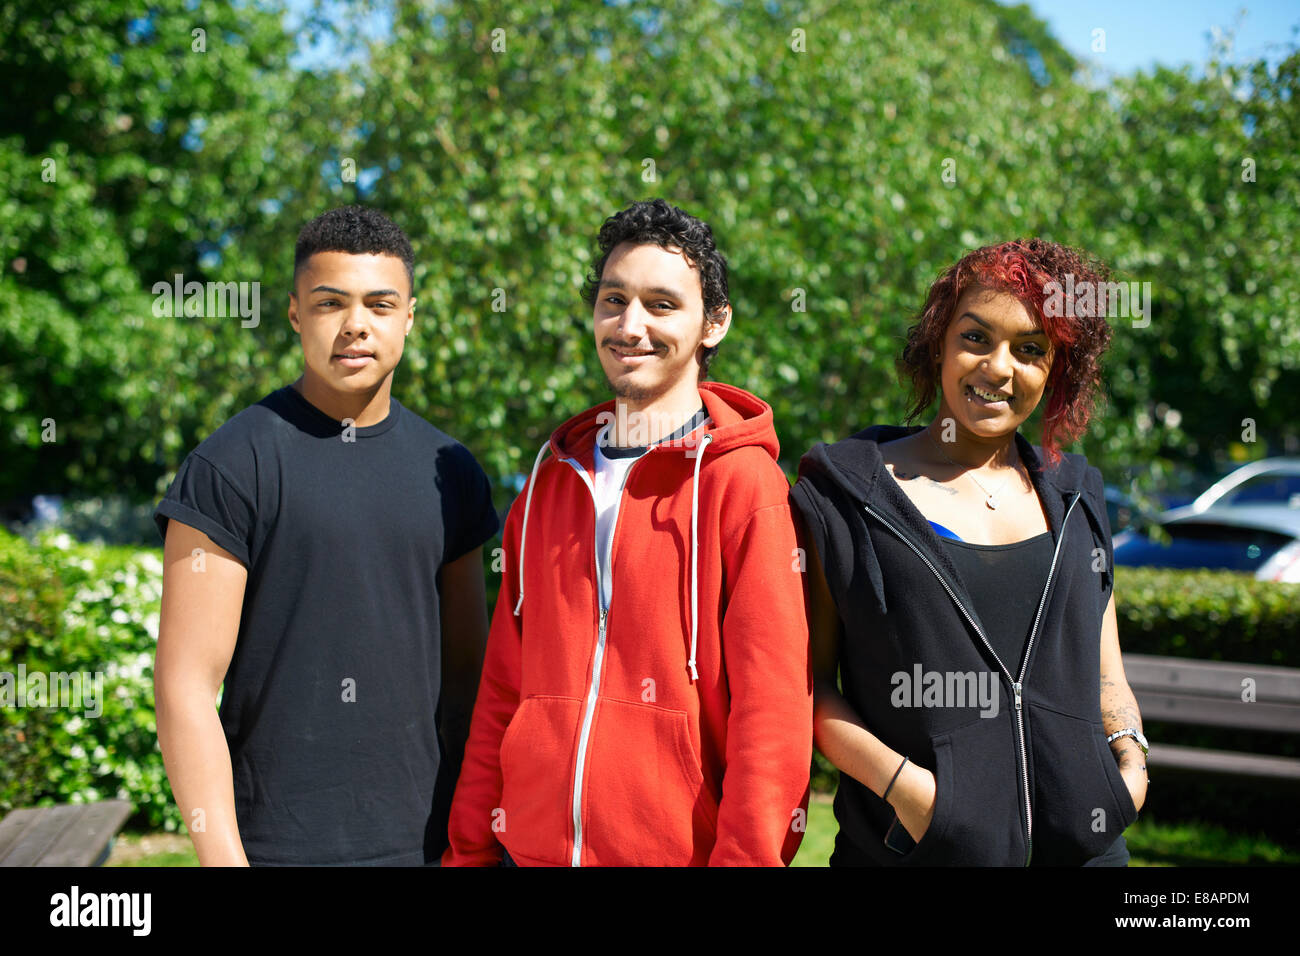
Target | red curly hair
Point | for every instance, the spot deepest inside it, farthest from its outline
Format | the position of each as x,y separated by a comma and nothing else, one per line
1078,331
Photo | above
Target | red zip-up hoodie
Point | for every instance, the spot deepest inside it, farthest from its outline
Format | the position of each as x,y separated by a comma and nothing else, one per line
675,727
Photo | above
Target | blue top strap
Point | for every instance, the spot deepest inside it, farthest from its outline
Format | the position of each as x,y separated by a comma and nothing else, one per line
943,532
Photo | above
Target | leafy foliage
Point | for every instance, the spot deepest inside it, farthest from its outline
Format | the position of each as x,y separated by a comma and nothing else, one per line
77,609
844,156
130,156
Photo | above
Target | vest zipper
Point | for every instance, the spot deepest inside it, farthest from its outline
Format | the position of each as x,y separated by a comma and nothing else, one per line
1024,667
1017,683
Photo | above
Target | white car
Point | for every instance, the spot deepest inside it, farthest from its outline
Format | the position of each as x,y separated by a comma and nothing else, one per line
1260,539
1268,481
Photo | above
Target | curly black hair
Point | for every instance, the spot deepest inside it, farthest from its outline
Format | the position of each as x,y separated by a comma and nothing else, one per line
656,222
357,230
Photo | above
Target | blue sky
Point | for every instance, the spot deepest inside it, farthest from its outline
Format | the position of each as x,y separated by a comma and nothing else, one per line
1172,32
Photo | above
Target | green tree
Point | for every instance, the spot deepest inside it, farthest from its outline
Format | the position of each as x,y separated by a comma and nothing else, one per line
844,154
135,144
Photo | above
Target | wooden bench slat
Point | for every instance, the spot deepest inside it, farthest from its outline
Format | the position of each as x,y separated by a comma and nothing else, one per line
11,829
1209,694
1205,711
83,841
1257,766
1274,685
41,827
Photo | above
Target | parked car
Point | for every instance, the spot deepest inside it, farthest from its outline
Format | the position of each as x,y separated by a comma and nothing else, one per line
1259,539
1270,480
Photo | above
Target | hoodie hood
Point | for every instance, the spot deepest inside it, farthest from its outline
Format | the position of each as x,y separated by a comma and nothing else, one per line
737,419
856,469
855,463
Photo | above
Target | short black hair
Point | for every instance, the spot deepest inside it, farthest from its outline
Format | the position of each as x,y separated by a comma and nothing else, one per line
357,230
656,222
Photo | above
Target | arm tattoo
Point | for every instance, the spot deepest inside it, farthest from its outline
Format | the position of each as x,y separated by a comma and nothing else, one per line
1119,710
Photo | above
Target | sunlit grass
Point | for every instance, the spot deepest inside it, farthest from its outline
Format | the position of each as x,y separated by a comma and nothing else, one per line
1150,843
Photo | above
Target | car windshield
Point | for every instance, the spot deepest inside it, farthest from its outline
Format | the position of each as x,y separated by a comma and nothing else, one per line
1203,545
1277,489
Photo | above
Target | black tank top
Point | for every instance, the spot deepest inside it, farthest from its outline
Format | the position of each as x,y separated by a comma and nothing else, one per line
1005,581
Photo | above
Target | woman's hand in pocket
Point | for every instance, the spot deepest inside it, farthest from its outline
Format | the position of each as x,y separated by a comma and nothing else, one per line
1132,767
913,799
1135,778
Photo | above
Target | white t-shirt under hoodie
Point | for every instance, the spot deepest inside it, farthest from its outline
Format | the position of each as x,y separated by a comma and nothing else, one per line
612,466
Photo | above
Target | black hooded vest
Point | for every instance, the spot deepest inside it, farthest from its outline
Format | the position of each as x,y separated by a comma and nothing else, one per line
1033,778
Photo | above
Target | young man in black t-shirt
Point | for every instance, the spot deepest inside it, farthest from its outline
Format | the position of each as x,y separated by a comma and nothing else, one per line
323,560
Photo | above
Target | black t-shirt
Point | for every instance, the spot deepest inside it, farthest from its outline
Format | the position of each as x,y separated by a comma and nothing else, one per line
330,702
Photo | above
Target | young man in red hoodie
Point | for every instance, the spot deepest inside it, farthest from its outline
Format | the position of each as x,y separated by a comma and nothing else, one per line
646,697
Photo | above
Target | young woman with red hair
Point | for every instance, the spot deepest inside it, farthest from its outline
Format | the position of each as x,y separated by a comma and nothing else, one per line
961,589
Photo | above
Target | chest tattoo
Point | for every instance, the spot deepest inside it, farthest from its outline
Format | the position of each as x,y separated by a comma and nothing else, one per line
913,476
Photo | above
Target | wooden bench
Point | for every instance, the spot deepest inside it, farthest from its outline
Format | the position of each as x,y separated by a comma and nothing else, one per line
1209,694
77,834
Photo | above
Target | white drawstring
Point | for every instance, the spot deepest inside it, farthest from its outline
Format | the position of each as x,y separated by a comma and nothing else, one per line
695,547
523,533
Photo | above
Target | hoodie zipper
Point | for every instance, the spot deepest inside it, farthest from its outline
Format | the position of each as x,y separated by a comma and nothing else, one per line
593,687
1017,683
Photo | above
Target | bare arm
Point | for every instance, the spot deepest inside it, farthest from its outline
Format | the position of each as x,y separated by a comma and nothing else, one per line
1119,709
839,731
464,639
202,600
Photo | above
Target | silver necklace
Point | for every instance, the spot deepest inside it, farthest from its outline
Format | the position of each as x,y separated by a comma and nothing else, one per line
990,497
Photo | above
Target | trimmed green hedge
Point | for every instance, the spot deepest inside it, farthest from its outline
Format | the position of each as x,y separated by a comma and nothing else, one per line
1209,615
73,608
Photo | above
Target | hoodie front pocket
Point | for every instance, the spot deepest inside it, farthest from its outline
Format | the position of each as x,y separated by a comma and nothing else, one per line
534,819
933,835
977,809
1083,804
645,802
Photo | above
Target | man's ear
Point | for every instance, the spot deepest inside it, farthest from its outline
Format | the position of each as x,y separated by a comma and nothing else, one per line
293,313
716,326
410,317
